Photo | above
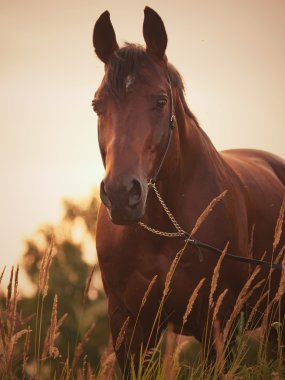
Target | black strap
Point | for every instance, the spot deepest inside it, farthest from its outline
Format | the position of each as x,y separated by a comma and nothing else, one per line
172,125
198,244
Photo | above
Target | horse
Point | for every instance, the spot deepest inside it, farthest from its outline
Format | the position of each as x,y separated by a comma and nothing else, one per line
161,173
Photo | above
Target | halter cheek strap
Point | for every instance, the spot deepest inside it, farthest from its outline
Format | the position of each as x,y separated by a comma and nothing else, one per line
172,125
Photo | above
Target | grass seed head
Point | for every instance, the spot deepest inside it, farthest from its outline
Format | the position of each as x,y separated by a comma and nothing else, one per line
243,296
147,292
121,336
2,274
206,212
53,351
216,274
255,308
279,225
219,346
172,269
218,304
192,300
80,346
281,289
26,349
279,255
44,269
9,290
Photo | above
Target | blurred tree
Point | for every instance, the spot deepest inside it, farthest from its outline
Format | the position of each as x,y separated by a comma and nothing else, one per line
68,276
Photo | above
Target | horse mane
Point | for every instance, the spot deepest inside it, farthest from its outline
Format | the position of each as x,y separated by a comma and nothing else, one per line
127,60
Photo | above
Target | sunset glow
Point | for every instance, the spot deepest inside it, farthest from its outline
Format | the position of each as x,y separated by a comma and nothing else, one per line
230,53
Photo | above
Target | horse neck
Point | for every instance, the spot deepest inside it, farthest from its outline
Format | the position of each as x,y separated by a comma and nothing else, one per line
191,151
190,158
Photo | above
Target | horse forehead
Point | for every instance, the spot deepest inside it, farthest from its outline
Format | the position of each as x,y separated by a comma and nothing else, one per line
141,81
129,81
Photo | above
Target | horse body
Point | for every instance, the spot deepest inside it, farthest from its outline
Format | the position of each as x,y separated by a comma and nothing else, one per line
263,189
192,175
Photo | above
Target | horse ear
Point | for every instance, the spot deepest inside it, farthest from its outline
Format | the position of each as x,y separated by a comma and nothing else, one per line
104,38
154,33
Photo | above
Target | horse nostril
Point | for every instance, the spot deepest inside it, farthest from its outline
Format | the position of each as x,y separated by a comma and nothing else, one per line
103,195
135,194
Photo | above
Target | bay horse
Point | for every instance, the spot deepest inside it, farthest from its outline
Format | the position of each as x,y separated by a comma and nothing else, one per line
162,169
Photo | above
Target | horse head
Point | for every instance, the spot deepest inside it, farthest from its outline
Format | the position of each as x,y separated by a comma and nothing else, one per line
134,104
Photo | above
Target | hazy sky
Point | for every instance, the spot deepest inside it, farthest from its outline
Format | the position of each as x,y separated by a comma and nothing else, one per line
231,54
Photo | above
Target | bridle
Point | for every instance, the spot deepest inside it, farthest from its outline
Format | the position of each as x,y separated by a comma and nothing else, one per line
172,125
152,181
180,232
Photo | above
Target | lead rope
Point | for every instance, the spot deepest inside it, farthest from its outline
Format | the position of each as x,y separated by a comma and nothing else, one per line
196,243
180,232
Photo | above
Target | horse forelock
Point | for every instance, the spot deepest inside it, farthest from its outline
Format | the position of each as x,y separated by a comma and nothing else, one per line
125,65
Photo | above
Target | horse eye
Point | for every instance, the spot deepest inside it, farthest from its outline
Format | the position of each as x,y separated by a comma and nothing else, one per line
161,102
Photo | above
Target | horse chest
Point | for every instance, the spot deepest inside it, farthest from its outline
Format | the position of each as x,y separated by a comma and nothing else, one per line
129,268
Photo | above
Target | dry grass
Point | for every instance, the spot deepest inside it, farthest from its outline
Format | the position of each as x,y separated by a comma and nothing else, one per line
206,212
171,367
256,306
121,336
279,255
148,290
44,270
159,367
53,350
26,350
218,304
8,325
49,347
192,300
2,274
219,346
279,225
88,284
243,296
172,270
281,289
108,362
216,274
80,346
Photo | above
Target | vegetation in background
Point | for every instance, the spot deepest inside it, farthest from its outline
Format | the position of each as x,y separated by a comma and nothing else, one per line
66,292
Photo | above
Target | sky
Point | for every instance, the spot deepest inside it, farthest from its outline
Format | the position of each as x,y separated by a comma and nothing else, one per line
231,54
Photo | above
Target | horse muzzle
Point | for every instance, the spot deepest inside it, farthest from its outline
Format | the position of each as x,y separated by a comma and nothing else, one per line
125,200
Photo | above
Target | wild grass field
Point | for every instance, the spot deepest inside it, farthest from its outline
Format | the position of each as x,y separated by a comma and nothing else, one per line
38,343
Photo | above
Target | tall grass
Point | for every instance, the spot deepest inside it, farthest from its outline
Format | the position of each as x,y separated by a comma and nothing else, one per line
252,356
240,353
